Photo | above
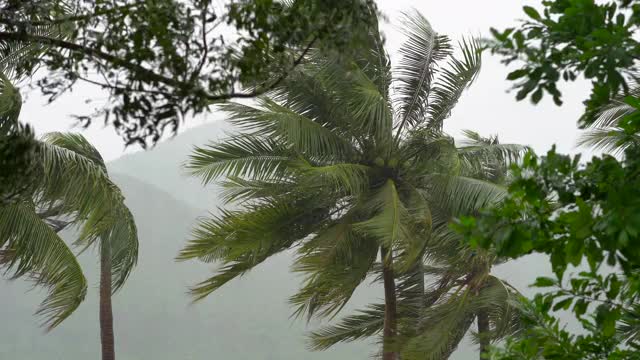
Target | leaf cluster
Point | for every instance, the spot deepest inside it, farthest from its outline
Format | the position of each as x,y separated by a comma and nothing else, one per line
569,38
161,60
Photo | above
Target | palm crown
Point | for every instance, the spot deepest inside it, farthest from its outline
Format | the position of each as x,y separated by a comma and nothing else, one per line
441,296
343,162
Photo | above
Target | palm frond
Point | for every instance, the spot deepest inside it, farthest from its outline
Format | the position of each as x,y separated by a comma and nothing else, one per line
345,179
629,327
410,290
76,143
123,240
240,240
500,302
486,158
374,62
442,326
17,57
452,81
311,91
234,233
365,323
389,216
242,155
460,195
613,140
420,54
236,189
288,127
332,276
368,107
226,273
75,180
447,254
506,154
609,115
28,246
334,262
423,148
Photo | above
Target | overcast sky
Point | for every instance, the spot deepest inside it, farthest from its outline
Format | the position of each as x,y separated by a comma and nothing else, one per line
486,107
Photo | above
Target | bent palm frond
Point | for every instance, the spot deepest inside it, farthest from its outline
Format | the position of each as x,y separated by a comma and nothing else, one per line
109,221
460,195
242,155
28,246
364,324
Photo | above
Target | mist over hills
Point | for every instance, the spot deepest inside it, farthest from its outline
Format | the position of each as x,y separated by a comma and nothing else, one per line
246,319
161,166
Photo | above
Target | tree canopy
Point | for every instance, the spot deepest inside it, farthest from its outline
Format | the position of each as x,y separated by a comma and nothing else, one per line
567,39
583,215
161,60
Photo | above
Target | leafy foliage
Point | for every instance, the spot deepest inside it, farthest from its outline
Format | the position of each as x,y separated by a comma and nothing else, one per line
161,60
577,214
31,247
581,215
569,38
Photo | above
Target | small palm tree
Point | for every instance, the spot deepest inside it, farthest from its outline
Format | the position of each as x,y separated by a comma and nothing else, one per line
334,165
71,187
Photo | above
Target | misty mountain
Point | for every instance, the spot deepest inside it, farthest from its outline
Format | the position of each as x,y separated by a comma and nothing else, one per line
162,166
249,318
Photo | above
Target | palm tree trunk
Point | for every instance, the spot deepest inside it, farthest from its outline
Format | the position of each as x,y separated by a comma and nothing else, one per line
390,309
106,313
483,332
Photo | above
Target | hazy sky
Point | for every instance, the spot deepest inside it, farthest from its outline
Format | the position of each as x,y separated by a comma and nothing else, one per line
486,107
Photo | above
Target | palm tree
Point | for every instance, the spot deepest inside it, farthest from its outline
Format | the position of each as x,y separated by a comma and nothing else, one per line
71,187
459,289
335,166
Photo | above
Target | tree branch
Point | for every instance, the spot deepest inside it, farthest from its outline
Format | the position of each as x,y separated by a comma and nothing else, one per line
272,86
134,68
141,70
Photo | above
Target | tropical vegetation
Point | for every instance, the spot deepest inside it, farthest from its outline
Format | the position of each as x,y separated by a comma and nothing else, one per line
342,159
70,188
583,215
347,162
159,60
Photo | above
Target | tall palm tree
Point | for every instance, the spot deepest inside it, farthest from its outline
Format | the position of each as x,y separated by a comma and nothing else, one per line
71,187
335,165
441,297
